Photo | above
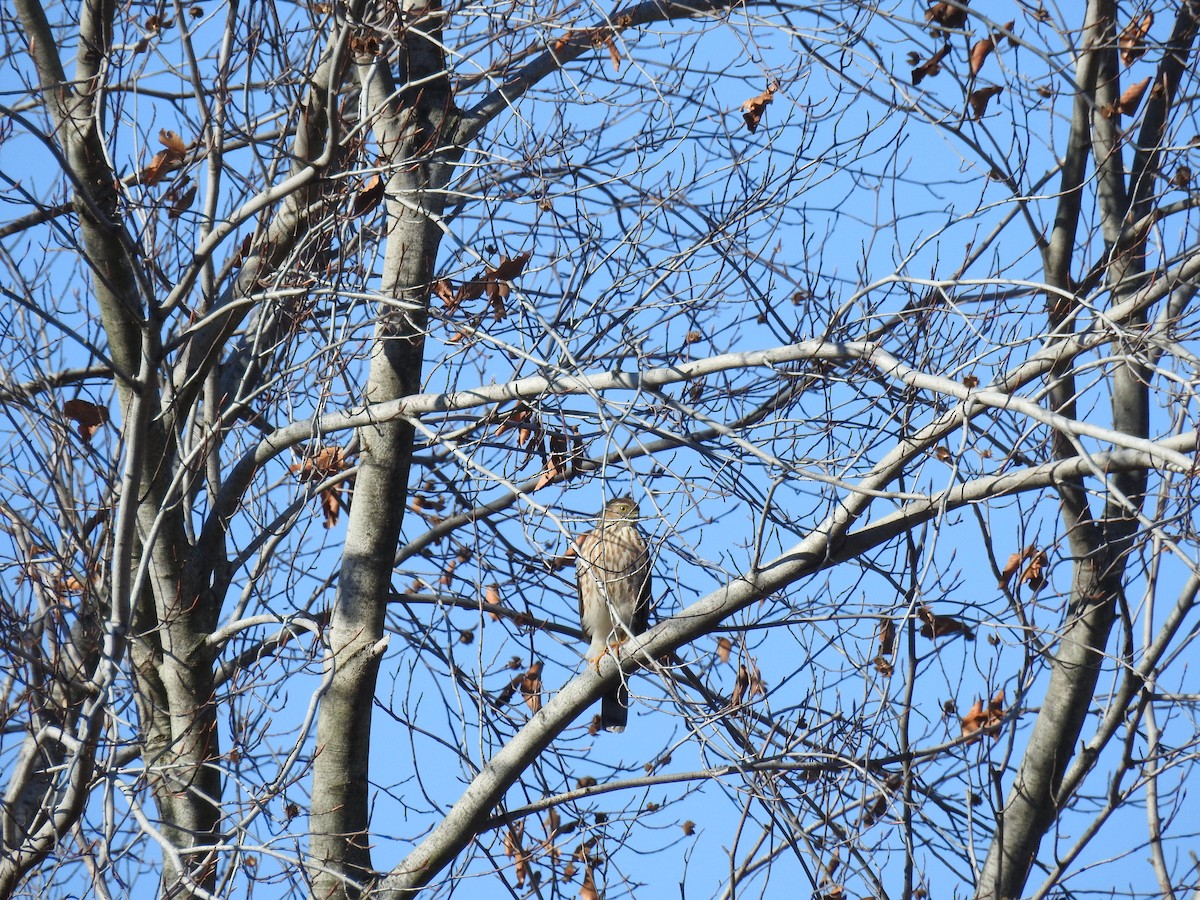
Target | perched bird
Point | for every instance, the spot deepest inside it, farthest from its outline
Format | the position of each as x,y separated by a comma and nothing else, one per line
613,574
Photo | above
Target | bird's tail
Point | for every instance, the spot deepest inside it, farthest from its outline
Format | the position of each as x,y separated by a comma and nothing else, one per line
614,709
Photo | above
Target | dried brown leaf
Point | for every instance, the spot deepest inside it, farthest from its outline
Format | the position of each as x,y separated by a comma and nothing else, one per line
512,839
979,100
1034,574
613,53
443,289
180,202
509,269
368,197
941,626
724,647
326,463
753,109
1131,98
930,67
531,687
173,142
979,53
947,15
1133,36
331,504
87,416
979,718
887,641
1014,564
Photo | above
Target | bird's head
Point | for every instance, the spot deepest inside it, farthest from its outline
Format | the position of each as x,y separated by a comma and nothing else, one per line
621,509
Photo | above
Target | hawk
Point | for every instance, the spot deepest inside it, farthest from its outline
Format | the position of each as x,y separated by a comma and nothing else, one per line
613,575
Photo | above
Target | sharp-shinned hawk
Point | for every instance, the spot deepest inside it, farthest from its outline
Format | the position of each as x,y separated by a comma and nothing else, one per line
613,573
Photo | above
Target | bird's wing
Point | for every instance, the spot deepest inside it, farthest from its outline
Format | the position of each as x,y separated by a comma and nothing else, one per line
641,612
582,571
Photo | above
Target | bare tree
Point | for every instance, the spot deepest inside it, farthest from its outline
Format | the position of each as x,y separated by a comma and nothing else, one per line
330,327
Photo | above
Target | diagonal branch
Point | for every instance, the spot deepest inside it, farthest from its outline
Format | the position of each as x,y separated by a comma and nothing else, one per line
570,47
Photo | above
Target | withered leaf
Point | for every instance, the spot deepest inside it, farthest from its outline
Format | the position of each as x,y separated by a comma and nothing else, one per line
172,141
512,839
364,46
443,289
509,269
87,416
517,416
331,504
724,647
613,53
368,197
556,461
748,685
947,15
324,464
531,687
1133,36
979,100
689,828
181,203
1182,177
1128,102
473,289
887,646
1034,574
491,597
940,626
164,160
979,718
1013,564
930,67
1131,98
753,109
979,53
